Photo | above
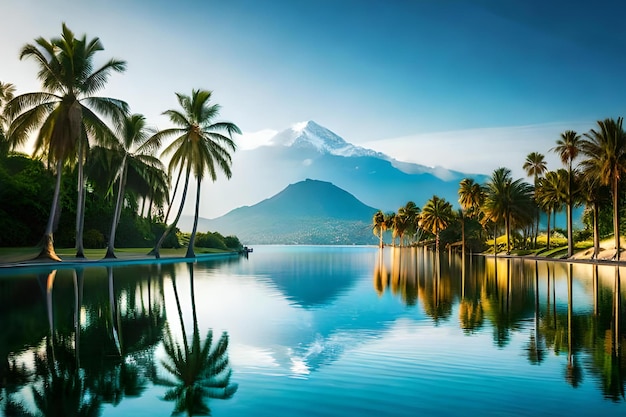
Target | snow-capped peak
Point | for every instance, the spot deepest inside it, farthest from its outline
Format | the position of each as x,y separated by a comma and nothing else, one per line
310,134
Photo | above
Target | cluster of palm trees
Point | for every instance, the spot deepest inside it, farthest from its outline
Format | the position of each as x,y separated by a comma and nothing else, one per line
594,165
409,223
68,124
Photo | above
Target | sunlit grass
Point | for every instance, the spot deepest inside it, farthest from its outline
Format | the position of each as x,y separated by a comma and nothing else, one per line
27,253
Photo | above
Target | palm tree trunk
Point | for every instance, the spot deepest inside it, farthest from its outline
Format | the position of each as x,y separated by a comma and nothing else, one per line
495,239
192,239
463,236
150,205
80,204
508,235
143,203
169,207
596,230
157,247
616,215
47,252
570,232
548,235
117,213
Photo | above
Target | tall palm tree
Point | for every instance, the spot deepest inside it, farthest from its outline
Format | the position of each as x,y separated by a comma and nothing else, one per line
594,194
507,200
132,156
568,147
604,149
535,166
411,212
201,144
378,226
435,217
65,112
401,224
471,198
390,220
551,194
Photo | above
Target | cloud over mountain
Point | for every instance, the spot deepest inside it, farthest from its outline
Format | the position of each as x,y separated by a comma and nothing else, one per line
308,150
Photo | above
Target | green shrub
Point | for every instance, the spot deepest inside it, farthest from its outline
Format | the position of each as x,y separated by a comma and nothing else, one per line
93,239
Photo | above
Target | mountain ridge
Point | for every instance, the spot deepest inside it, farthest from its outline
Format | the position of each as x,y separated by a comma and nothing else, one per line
306,212
308,150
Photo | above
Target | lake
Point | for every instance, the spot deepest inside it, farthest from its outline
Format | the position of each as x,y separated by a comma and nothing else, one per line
314,331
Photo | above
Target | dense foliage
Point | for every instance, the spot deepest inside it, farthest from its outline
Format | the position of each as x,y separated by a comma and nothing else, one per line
93,144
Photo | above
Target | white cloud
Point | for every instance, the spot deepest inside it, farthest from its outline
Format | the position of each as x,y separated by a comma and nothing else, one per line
479,150
251,140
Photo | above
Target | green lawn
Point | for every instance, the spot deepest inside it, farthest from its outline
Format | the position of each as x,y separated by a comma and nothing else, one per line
28,253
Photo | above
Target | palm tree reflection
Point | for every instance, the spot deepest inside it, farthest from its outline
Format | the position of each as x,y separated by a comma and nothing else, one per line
200,370
62,391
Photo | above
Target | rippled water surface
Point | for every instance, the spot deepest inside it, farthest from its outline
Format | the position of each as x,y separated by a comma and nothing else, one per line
314,331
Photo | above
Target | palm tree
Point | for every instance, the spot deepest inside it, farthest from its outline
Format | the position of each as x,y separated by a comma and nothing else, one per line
65,112
411,212
594,194
401,225
507,201
133,156
200,145
390,220
568,147
535,166
471,198
7,91
378,226
551,194
605,156
435,217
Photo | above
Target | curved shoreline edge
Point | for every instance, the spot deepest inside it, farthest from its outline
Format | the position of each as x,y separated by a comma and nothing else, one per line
601,261
72,262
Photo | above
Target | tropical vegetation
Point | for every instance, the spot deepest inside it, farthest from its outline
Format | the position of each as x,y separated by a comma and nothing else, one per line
515,215
92,144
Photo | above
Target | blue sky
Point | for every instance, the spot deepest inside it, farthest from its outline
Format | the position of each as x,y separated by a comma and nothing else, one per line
468,85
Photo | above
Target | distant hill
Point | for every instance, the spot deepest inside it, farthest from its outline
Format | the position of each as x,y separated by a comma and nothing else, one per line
307,212
308,150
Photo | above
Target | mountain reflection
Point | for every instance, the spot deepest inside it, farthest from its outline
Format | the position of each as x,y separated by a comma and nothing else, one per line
508,294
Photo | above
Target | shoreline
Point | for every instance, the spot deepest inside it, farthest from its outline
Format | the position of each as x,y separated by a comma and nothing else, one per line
137,258
121,259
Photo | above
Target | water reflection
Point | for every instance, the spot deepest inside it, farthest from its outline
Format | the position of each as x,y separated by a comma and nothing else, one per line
508,293
350,325
200,370
72,345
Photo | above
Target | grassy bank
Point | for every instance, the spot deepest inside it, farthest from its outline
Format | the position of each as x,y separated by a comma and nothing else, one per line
8,255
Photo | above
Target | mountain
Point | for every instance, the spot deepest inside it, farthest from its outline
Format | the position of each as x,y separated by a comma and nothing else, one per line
307,212
308,150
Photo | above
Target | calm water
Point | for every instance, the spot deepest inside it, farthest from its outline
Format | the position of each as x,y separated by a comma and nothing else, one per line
315,331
